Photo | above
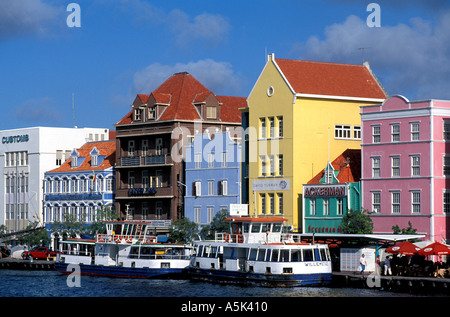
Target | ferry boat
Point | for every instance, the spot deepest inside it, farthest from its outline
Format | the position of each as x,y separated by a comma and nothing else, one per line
126,250
257,252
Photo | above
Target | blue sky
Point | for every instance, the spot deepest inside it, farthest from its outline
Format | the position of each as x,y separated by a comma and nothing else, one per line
125,47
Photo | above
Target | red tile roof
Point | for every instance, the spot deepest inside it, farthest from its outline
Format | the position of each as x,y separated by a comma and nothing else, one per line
331,79
180,91
106,148
348,164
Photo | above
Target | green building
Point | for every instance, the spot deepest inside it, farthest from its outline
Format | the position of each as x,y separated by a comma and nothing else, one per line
331,193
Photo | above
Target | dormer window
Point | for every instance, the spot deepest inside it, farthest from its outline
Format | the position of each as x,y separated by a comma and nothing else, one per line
74,159
137,114
94,157
211,112
152,113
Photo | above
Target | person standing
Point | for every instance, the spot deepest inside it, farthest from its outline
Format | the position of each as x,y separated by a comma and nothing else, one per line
362,263
387,266
378,265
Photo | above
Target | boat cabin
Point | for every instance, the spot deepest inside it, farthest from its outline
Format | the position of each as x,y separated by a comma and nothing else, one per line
254,230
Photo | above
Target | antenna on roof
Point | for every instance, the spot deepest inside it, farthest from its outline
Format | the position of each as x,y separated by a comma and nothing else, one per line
73,109
362,52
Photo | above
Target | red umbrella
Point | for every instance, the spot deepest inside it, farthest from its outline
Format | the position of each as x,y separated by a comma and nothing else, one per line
405,248
435,248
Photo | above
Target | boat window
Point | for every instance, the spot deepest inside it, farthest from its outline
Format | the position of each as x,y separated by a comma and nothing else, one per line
268,253
296,255
253,254
275,255
265,227
212,252
308,255
284,255
323,254
276,227
256,228
246,227
261,254
316,254
134,252
200,250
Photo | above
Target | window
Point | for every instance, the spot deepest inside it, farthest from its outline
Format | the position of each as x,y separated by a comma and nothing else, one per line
159,209
197,214
280,203
326,207
395,132
137,114
144,146
210,160
262,158
224,159
415,202
375,167
271,127
340,206
446,200
152,112
210,188
223,188
272,165
312,210
415,165
198,160
158,146
446,164
211,112
145,179
271,204
395,202
376,135
131,148
196,188
446,130
131,179
357,132
280,126
262,128
280,164
415,131
395,166
342,132
262,198
210,214
376,202
159,182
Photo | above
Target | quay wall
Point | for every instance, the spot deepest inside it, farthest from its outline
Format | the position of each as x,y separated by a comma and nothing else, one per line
400,284
37,265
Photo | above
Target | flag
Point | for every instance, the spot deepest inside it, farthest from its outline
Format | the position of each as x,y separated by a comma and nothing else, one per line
93,178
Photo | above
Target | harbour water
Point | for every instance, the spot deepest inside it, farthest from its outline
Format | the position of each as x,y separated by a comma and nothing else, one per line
16,283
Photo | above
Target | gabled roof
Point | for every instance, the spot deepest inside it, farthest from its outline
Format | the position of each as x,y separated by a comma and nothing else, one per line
107,149
180,92
330,79
347,165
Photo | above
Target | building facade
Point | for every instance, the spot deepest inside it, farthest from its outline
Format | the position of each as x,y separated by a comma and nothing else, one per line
300,113
82,186
406,165
332,193
152,138
25,155
213,176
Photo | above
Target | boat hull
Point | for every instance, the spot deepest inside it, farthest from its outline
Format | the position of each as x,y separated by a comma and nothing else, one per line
255,279
124,272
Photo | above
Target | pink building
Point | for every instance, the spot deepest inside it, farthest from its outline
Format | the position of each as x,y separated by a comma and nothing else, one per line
405,157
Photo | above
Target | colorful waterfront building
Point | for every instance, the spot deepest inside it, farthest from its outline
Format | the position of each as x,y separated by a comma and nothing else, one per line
213,176
406,165
332,193
300,114
82,186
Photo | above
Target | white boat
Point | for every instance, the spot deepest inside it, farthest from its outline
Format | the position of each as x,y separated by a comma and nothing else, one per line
126,250
257,252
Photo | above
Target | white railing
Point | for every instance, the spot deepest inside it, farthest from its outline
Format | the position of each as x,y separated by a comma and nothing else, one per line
258,238
124,239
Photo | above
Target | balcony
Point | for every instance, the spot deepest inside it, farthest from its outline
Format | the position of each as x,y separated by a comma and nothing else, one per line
146,193
148,160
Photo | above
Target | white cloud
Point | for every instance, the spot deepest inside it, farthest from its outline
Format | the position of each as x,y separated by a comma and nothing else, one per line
410,59
26,17
219,77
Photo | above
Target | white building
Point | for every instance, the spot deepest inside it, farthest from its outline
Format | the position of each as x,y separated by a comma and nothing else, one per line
25,155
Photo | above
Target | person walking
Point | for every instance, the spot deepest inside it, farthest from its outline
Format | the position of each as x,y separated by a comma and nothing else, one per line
387,266
362,263
378,265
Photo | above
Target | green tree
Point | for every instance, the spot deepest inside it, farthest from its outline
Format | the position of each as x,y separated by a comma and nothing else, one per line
409,230
357,222
35,238
70,227
106,213
183,231
217,225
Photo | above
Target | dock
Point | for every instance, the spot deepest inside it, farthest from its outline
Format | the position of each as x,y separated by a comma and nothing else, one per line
35,265
400,284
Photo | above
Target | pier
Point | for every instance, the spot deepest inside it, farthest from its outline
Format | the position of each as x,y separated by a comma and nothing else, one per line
16,264
401,284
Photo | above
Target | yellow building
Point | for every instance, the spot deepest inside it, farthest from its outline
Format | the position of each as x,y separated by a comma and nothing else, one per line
301,113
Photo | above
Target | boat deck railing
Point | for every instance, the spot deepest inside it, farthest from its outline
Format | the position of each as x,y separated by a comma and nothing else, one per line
117,238
76,252
284,238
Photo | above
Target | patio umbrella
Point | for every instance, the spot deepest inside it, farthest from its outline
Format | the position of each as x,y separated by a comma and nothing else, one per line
435,248
405,248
